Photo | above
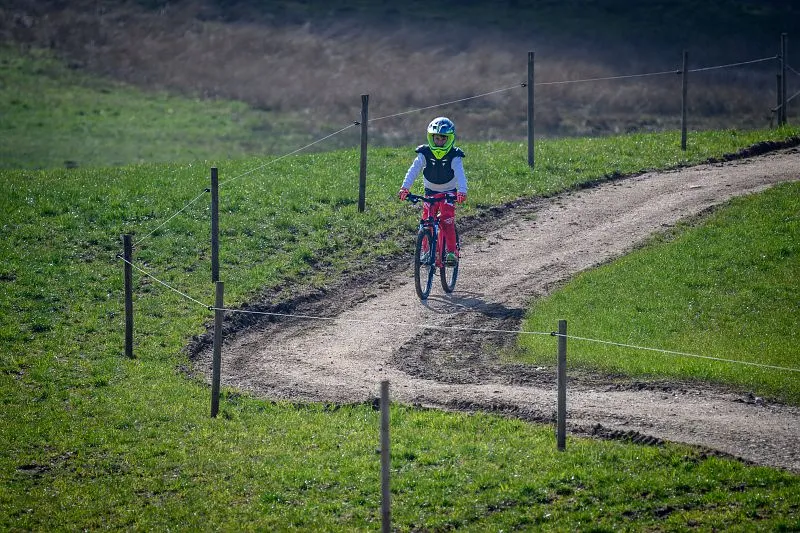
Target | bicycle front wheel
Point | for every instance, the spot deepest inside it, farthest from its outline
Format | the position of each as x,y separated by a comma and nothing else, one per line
424,263
449,273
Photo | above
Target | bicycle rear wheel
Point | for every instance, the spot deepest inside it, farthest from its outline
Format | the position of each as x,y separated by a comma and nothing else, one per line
424,263
449,274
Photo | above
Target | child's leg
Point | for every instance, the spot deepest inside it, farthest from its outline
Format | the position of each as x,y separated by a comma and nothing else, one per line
426,208
448,225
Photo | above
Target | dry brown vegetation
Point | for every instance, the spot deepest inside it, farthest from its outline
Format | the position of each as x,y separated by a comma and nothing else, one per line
320,68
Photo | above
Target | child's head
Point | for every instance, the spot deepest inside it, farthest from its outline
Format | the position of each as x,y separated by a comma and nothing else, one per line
441,135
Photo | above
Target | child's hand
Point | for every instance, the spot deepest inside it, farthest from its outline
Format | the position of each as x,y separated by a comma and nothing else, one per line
461,197
403,193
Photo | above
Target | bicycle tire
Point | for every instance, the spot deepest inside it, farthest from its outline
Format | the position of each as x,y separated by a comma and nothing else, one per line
449,274
424,269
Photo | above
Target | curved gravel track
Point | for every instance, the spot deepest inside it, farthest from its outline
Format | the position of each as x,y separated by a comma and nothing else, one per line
541,244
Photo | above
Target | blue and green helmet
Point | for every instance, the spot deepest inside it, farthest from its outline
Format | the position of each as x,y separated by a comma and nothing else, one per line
441,126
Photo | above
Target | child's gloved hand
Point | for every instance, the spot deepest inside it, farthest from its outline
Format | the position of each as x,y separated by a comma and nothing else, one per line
461,197
403,193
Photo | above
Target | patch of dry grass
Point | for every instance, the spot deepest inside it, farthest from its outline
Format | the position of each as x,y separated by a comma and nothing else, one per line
319,69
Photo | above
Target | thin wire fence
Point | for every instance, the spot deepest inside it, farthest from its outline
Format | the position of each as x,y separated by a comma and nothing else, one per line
163,283
731,65
672,352
309,145
207,190
394,324
607,78
428,326
416,110
451,102
178,212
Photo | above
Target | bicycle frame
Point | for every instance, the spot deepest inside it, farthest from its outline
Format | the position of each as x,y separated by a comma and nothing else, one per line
430,250
432,222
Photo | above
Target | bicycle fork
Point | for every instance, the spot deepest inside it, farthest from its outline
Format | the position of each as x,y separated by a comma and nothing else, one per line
435,244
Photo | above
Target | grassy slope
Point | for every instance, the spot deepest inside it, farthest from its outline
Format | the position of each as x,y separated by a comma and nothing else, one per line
90,438
54,116
726,289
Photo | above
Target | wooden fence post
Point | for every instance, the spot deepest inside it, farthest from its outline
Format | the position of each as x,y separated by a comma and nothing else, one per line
127,253
784,60
362,174
561,414
386,463
530,110
684,101
214,225
779,100
216,365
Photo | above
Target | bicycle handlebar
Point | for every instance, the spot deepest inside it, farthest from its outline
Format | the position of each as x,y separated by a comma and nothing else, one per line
415,198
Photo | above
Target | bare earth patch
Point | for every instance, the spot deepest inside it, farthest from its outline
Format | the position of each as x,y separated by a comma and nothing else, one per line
524,252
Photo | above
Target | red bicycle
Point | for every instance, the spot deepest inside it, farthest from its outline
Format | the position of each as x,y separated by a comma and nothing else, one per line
431,251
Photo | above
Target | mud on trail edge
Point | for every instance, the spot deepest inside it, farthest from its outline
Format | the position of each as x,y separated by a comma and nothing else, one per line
511,255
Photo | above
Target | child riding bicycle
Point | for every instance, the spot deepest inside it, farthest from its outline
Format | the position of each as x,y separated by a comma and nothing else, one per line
440,162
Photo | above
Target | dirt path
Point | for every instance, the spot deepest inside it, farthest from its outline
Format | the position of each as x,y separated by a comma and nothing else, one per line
540,246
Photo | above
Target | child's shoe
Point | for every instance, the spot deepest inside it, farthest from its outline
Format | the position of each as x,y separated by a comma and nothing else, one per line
450,259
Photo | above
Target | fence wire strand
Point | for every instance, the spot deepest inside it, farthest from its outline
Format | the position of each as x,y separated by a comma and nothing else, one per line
181,210
165,284
662,73
622,77
774,109
733,64
671,352
448,103
284,156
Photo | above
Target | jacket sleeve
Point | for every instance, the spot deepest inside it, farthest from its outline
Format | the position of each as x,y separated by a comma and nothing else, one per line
413,171
461,178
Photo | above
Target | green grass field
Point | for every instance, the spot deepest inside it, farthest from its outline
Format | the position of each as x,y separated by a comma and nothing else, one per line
725,289
92,440
54,116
